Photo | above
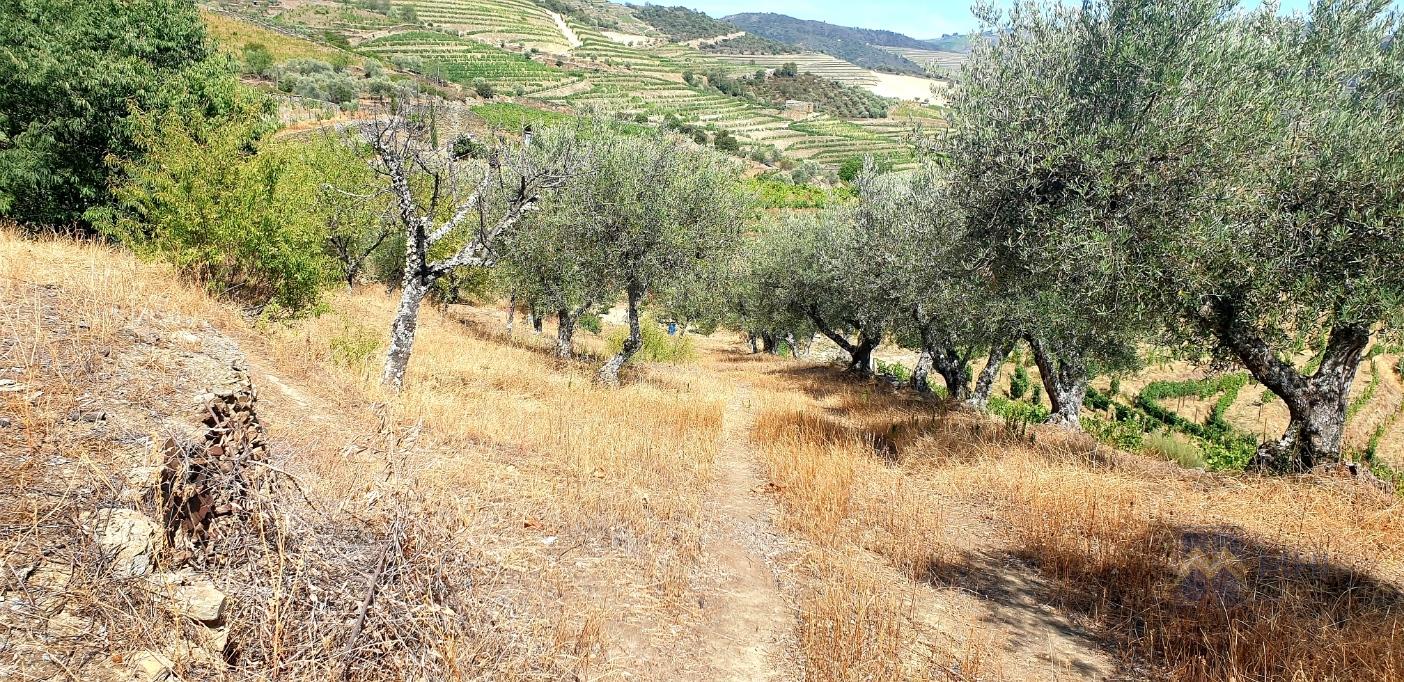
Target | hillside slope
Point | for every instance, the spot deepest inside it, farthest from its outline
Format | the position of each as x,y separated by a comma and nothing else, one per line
737,517
857,45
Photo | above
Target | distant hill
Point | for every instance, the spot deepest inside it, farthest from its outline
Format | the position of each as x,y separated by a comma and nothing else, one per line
751,44
856,45
681,23
953,42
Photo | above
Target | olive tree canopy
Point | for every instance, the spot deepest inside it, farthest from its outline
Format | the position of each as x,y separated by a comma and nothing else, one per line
1290,136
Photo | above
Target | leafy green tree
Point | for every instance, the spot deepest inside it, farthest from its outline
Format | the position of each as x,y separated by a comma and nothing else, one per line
230,210
72,74
821,269
659,209
1054,147
726,142
551,264
911,226
257,59
1288,132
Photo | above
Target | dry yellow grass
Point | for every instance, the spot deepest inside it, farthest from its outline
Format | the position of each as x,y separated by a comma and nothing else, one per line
541,527
568,512
1172,573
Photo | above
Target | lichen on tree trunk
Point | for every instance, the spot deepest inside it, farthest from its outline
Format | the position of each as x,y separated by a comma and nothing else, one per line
402,331
1065,381
921,373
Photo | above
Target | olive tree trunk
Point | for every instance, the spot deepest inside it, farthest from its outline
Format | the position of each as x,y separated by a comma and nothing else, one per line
921,373
954,369
861,353
944,358
1065,381
511,313
1317,404
609,372
566,319
984,385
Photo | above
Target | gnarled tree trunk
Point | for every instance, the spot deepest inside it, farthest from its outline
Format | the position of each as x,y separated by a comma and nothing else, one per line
536,322
984,385
1317,404
954,369
1065,381
769,344
609,372
861,353
921,373
402,331
565,331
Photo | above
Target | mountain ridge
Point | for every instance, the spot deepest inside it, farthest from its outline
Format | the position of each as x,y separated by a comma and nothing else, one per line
857,45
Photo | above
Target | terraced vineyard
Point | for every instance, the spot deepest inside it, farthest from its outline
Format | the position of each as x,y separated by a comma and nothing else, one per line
501,22
944,63
462,41
808,62
462,61
599,48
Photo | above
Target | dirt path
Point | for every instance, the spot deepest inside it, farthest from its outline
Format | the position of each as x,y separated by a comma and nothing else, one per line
748,621
566,31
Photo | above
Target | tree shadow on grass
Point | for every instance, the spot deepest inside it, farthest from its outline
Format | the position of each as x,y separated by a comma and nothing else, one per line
1193,603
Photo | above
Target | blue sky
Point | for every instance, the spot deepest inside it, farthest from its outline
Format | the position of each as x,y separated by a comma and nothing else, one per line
916,18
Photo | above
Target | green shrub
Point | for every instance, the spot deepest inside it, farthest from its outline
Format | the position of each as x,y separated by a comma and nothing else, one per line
658,346
1017,415
1019,383
257,59
464,146
1096,400
1229,452
242,216
895,370
1124,434
590,322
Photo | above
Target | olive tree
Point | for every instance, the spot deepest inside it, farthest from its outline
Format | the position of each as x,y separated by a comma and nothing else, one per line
916,232
455,212
1055,154
1291,133
657,208
755,302
553,265
820,268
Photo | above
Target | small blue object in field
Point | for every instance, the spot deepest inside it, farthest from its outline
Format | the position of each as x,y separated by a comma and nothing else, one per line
672,328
